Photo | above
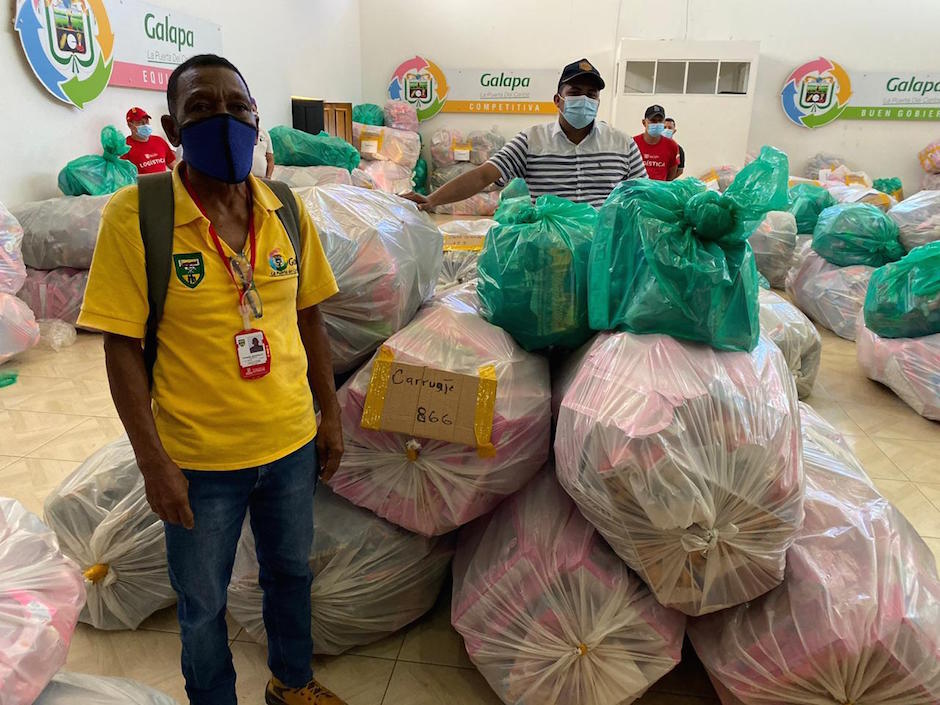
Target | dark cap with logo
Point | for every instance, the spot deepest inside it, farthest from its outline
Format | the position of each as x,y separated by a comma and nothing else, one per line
655,110
577,69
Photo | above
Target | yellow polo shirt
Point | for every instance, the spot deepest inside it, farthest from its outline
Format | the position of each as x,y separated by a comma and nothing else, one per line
207,416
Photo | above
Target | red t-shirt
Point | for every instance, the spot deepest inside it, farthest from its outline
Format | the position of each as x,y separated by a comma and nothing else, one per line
150,157
658,157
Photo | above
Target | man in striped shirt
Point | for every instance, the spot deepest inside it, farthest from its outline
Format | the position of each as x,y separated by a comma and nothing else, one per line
576,157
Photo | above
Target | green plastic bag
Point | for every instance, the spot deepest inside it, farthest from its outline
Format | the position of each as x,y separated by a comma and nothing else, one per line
891,186
533,270
903,299
298,148
857,233
672,257
419,178
807,201
95,175
369,114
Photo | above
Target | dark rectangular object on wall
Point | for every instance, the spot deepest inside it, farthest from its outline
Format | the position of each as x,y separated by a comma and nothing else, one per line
307,115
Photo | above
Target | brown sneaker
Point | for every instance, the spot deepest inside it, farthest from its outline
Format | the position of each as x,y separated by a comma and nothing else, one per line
311,694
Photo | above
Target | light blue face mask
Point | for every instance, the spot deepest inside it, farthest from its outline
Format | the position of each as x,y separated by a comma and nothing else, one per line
144,131
655,129
580,111
668,133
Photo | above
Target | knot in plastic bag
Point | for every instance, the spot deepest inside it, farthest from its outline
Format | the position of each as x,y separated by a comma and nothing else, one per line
412,449
96,573
113,144
710,214
707,539
582,649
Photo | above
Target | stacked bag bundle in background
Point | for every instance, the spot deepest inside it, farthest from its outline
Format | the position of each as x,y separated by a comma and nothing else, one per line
719,178
549,614
400,115
533,269
848,186
103,522
821,161
41,594
858,617
97,175
386,257
929,158
795,335
55,294
371,578
301,176
687,460
368,114
463,242
433,486
79,689
18,328
772,243
918,219
807,201
453,155
389,156
298,148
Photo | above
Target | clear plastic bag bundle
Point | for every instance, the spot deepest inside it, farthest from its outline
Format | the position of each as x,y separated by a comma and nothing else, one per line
370,578
387,144
361,179
463,242
386,257
483,145
41,594
12,268
298,148
431,486
533,270
856,233
368,114
400,115
821,161
929,157
807,201
858,616
55,334
687,460
859,193
442,145
830,295
56,293
910,367
104,523
80,689
930,182
60,232
441,176
97,175
549,614
903,299
301,176
772,243
388,177
18,328
795,335
918,219
719,178
481,204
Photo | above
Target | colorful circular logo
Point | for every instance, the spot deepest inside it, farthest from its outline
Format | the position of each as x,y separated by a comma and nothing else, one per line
421,83
69,45
816,93
277,261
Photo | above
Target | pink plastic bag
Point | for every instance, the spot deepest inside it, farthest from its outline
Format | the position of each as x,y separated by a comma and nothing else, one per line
18,328
481,204
386,144
400,115
12,269
929,157
56,293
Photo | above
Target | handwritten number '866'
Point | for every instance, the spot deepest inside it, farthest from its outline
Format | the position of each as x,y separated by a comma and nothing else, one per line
425,416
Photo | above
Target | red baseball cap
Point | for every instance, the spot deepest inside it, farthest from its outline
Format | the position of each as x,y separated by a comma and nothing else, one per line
137,114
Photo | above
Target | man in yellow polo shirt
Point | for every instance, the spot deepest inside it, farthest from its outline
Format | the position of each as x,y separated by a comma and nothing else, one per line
228,424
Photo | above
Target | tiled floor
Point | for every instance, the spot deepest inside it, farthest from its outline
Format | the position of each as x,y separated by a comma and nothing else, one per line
60,411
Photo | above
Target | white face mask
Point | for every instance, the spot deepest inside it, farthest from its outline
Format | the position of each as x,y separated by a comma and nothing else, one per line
668,132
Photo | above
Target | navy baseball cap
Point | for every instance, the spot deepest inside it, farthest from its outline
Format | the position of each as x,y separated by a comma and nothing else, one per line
577,69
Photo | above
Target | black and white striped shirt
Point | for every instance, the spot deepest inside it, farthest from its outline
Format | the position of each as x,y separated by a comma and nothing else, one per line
585,173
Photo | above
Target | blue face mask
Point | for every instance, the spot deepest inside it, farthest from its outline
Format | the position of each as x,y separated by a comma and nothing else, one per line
144,131
655,129
220,146
580,110
668,133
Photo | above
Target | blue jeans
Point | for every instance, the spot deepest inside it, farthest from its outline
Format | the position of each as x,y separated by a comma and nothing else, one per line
280,499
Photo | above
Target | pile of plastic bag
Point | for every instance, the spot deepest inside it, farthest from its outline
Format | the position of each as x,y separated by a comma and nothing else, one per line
858,193
842,174
400,115
858,616
719,178
388,177
795,335
12,268
918,219
55,294
772,243
96,175
41,594
533,270
548,612
79,689
821,161
483,145
301,176
929,157
298,148
19,330
386,257
387,144
903,299
448,146
891,186
104,523
431,486
687,460
463,242
856,233
368,114
830,295
371,578
60,232
807,201
930,182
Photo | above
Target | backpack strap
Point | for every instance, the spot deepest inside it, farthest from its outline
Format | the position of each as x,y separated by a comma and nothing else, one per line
155,193
289,215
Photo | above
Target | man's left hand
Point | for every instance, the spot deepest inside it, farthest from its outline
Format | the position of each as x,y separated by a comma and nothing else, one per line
330,445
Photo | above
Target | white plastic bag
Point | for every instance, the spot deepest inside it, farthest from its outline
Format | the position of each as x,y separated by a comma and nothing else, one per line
57,293
463,242
12,269
430,486
388,177
370,578
930,182
484,204
361,179
687,460
386,257
549,614
773,242
832,296
858,193
918,219
483,145
719,178
19,330
41,594
387,144
55,334
858,617
80,689
795,335
301,176
822,161
910,367
60,232
101,516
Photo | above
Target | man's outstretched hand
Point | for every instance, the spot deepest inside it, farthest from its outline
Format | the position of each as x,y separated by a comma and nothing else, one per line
424,203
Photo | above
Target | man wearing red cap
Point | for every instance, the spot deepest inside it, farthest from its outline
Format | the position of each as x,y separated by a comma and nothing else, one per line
149,153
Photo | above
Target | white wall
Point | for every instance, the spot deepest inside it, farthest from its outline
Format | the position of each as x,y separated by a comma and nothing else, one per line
860,34
283,48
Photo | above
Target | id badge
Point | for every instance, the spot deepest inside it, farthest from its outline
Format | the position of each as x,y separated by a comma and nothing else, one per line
254,354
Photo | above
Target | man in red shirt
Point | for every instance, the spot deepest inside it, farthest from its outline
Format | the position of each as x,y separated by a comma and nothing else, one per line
660,154
149,153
